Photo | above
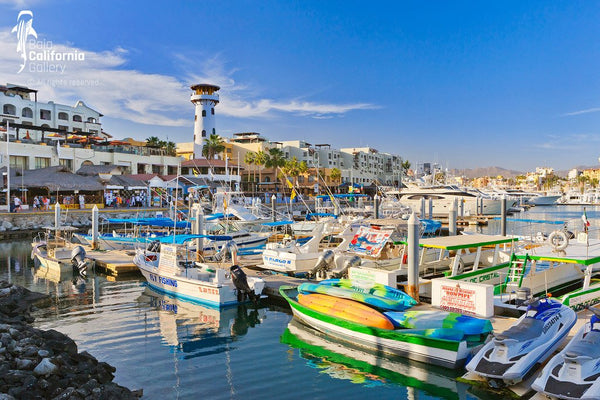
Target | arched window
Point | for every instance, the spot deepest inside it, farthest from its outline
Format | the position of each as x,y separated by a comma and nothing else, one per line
9,109
214,131
27,113
45,126
212,111
203,133
204,113
77,118
91,119
63,115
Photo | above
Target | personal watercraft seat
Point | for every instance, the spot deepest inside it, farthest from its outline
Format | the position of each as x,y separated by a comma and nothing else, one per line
529,328
589,345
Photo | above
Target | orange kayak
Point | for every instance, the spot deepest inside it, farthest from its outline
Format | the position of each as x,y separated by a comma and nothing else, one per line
346,309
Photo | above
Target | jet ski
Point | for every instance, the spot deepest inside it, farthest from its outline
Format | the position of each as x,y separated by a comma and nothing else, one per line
573,373
508,358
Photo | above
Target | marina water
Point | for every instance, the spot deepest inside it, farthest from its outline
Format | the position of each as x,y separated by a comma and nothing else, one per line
178,350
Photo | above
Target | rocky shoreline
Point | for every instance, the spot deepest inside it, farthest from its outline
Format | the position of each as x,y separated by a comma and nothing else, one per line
37,364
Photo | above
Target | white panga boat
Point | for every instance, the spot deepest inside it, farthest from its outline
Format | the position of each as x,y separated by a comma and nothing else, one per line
171,269
54,250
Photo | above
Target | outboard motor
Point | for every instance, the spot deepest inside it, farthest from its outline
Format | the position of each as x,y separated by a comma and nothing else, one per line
353,261
323,263
229,247
153,246
238,276
78,260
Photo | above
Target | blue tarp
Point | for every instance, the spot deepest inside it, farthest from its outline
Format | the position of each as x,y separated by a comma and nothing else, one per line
162,222
310,215
277,223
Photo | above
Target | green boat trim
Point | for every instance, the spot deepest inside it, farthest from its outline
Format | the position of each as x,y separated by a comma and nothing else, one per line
480,271
566,299
564,260
394,335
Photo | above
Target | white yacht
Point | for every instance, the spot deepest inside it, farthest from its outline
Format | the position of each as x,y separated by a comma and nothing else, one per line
444,196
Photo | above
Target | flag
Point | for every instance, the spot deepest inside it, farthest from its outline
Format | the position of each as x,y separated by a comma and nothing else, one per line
586,223
289,184
293,194
331,198
195,172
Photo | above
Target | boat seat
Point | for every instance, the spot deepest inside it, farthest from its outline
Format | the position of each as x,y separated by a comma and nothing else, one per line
589,346
529,328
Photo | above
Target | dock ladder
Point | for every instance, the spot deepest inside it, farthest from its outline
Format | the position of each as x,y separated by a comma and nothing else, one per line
516,271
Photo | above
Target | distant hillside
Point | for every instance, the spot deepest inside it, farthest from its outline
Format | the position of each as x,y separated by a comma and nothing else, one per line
471,173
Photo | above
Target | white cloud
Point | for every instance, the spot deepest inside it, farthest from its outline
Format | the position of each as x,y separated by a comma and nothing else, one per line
103,82
587,111
571,141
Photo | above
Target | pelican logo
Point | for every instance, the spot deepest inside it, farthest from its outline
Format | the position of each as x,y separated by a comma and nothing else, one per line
24,29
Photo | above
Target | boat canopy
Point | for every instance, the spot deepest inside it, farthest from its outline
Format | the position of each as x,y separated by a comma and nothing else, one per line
277,223
583,253
463,241
160,222
310,216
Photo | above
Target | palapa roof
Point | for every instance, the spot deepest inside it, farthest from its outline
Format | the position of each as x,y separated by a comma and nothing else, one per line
54,178
93,170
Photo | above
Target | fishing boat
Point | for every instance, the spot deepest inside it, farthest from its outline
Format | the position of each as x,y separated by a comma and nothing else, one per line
53,250
573,373
172,269
367,327
513,354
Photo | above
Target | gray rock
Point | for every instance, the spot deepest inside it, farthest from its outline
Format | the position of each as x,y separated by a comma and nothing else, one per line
45,367
43,353
24,363
4,396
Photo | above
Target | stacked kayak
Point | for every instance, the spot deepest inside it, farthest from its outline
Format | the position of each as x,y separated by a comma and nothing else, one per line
374,316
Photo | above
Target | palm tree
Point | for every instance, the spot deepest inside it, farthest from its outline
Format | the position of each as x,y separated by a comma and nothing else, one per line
260,159
335,175
153,141
276,158
170,148
213,146
405,166
249,159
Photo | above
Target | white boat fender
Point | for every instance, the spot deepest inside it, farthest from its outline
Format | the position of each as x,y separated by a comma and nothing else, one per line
238,276
78,260
559,240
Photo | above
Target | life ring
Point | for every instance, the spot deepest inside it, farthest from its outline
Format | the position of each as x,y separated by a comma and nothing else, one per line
559,240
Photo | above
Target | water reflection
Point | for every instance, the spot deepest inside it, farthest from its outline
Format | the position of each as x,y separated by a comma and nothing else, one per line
198,330
359,366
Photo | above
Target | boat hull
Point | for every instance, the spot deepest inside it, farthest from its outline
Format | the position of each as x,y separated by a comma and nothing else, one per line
209,293
446,353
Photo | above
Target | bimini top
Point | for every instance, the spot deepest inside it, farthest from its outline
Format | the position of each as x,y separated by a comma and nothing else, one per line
464,241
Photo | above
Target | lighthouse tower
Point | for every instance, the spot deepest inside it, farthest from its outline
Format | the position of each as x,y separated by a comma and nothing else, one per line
205,98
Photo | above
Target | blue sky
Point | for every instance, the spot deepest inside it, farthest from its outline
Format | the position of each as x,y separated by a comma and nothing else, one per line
466,84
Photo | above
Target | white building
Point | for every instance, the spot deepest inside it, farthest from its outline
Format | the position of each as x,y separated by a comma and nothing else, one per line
31,115
39,131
